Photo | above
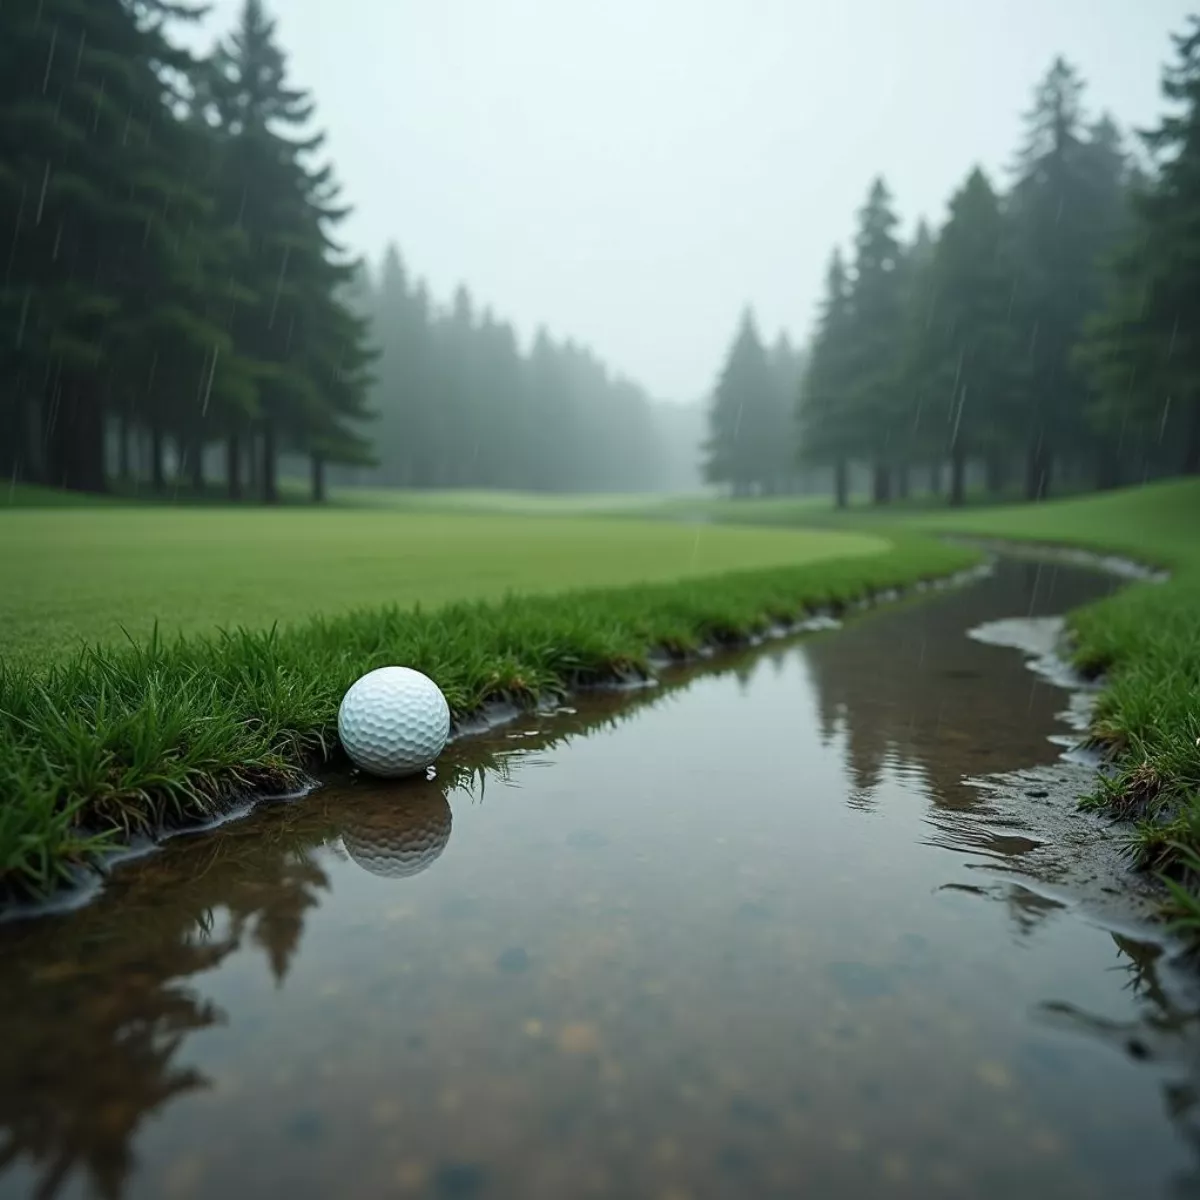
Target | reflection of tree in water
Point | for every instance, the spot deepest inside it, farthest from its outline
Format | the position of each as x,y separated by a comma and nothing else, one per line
96,1004
87,1056
1028,909
907,685
744,673
274,915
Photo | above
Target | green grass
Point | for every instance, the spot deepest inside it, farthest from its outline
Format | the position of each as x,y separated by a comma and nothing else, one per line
75,576
30,495
118,739
494,501
295,491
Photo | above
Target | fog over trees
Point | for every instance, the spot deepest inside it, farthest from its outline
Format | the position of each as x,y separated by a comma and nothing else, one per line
1040,339
179,313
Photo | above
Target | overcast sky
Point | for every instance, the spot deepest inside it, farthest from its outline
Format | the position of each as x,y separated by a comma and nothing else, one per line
633,172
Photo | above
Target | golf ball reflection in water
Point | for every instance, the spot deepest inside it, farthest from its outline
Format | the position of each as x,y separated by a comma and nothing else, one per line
398,840
394,721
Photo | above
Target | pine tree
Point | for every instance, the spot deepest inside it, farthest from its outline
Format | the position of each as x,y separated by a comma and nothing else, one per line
106,284
877,306
824,411
740,413
1142,350
916,444
968,350
780,432
1061,206
307,348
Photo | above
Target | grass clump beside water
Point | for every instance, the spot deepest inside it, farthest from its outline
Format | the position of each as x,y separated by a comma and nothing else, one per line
116,741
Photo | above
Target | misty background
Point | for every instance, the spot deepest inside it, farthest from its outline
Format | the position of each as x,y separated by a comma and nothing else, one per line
632,175
564,247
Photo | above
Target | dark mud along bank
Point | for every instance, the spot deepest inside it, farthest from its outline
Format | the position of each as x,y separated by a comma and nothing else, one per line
762,930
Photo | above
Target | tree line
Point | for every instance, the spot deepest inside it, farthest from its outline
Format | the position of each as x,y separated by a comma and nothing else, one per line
176,306
1043,334
172,275
460,404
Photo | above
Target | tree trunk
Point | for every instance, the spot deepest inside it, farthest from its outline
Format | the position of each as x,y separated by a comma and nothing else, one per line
841,483
124,432
30,452
958,477
75,440
252,458
902,481
158,480
233,466
1191,446
318,479
995,471
881,484
935,478
268,476
1037,471
11,439
1108,468
196,459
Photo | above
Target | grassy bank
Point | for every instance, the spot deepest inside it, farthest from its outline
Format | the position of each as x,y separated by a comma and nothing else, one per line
76,575
117,739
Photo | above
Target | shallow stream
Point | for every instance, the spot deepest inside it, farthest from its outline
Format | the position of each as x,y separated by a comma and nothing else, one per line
750,933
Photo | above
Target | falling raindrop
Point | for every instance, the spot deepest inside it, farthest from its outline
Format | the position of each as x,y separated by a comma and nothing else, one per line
208,386
41,206
283,265
962,399
1033,592
50,59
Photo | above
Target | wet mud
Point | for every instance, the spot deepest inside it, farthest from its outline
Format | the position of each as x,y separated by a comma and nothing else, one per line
787,924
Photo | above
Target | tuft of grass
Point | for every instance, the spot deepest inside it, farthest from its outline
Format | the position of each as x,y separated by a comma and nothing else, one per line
120,740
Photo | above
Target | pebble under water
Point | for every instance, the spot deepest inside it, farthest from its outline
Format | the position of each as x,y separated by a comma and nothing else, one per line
749,933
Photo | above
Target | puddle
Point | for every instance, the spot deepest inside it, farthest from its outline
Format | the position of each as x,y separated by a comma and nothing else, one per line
758,931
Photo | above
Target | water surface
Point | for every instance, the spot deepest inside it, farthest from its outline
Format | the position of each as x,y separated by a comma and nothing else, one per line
746,934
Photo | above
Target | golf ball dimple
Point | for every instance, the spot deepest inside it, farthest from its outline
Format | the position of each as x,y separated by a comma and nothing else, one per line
393,721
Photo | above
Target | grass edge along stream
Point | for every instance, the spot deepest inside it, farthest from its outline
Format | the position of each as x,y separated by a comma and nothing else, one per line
117,742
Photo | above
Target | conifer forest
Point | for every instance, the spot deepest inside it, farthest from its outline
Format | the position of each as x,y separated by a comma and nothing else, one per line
178,308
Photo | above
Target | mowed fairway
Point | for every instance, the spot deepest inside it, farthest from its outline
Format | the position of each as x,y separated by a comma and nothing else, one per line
85,574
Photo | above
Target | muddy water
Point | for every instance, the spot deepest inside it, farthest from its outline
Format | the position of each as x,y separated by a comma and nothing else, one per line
746,934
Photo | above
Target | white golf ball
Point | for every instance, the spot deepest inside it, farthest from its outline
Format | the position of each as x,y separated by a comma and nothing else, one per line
393,721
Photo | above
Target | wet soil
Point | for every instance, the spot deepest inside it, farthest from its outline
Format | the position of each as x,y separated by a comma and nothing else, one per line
785,925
